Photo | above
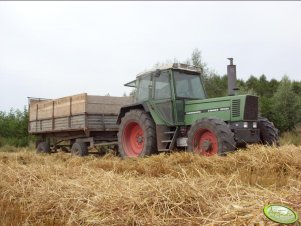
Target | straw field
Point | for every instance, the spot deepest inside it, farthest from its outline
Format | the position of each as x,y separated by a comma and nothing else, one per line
175,189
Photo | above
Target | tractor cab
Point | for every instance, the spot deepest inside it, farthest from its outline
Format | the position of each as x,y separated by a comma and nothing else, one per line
166,89
178,81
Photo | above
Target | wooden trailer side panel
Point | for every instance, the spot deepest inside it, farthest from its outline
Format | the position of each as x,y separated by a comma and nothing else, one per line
78,112
76,122
65,106
106,104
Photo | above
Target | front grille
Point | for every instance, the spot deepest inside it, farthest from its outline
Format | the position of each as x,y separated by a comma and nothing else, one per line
235,110
251,108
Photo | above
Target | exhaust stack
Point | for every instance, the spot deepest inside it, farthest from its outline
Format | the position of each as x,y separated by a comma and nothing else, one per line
231,72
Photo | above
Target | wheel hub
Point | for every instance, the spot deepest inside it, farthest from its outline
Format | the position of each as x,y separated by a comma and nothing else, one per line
139,139
206,145
205,142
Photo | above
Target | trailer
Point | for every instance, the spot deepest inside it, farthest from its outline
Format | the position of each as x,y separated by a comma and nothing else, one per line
77,123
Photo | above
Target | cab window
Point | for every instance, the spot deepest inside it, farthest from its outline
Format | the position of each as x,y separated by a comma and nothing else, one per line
144,87
188,86
162,86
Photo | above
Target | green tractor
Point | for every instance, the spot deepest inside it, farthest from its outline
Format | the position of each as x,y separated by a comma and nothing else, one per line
171,111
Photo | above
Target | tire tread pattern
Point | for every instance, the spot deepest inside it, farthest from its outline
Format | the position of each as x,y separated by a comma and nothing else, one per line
269,134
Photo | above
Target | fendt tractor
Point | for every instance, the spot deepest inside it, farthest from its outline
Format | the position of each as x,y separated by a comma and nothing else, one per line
170,111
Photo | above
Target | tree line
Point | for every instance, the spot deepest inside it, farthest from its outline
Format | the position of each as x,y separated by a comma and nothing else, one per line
279,101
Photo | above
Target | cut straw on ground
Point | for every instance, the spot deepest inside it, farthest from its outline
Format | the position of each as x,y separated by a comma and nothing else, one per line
166,189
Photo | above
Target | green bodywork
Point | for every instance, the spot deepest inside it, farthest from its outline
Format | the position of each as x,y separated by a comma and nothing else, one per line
215,107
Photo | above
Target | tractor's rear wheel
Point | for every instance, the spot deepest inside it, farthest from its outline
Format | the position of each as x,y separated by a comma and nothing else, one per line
43,147
137,135
80,149
268,132
210,136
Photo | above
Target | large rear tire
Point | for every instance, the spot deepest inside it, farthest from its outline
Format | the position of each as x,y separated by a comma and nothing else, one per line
137,135
269,134
210,136
80,149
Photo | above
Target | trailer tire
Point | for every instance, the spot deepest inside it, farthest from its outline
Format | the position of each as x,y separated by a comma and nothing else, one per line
210,136
80,149
269,134
43,147
137,135
64,149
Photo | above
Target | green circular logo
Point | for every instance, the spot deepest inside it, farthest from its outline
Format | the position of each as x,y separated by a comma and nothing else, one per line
280,214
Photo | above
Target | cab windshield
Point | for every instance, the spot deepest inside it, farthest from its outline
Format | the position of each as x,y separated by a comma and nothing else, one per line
188,86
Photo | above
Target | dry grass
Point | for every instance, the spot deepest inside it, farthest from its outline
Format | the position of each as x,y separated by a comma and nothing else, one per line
176,189
291,137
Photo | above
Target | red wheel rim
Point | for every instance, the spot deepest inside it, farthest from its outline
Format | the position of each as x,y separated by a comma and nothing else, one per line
205,143
133,139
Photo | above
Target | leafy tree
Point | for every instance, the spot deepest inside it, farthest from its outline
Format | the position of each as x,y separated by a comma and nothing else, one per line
296,87
286,106
13,128
196,60
215,85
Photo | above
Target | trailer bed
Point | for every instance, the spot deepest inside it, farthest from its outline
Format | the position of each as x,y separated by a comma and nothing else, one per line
80,112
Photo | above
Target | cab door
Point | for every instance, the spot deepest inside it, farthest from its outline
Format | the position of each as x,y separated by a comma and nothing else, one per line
162,101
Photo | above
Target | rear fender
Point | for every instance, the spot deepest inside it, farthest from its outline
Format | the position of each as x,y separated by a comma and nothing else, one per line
125,109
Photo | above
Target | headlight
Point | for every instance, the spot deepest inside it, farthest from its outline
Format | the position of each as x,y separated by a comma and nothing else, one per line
254,125
245,124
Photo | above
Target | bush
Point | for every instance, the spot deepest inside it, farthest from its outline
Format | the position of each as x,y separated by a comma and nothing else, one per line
13,128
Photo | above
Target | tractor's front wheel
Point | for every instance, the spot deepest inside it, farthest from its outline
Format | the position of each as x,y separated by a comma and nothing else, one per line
268,132
137,135
210,136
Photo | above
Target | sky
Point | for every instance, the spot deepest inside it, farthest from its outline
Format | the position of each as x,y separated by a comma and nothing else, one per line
52,49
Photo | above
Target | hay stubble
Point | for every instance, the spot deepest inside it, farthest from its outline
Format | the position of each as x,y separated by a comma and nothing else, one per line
176,189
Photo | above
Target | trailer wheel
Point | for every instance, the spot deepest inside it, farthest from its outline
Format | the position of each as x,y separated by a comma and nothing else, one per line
43,147
80,149
64,149
137,135
268,132
210,136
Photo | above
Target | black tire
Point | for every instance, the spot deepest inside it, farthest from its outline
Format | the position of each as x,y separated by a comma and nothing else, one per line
43,147
201,137
269,134
145,141
80,149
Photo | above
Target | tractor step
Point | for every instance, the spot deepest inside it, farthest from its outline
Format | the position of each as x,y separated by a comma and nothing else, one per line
166,141
168,138
169,132
161,150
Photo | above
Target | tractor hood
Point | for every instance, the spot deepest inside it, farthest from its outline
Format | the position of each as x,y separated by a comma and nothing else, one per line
229,108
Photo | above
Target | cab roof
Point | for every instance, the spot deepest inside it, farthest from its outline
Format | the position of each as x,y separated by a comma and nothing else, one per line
178,66
174,66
